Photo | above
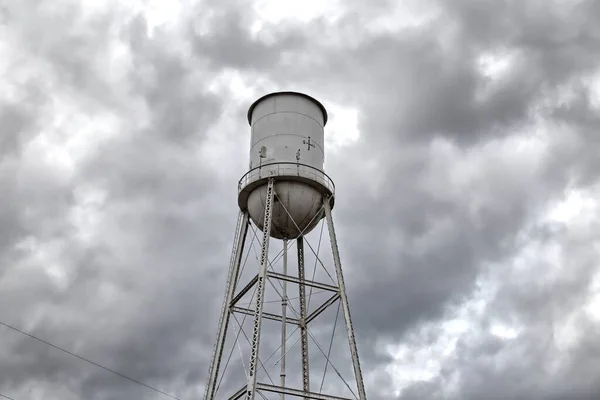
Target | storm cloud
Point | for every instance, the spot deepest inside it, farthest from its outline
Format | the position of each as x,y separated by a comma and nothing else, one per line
463,141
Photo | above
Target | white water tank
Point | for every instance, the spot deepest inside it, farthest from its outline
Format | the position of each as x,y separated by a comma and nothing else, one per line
287,143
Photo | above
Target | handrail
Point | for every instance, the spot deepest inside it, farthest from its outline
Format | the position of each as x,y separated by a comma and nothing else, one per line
286,169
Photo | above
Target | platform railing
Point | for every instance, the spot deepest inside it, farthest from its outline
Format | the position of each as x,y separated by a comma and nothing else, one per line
282,169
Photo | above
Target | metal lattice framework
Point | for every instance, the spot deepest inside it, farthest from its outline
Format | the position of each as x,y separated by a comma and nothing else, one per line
301,320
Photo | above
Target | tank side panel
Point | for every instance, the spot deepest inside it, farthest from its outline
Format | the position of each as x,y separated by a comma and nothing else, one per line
286,139
300,105
283,125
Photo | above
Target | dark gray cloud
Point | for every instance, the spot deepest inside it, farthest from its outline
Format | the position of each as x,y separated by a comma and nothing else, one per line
229,45
117,247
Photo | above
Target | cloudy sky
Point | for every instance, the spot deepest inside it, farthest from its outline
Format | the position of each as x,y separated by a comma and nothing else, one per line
463,140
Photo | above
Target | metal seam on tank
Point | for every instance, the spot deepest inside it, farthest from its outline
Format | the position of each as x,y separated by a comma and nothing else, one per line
287,199
286,217
279,207
285,134
263,200
276,211
288,112
274,95
302,135
254,144
301,223
280,134
319,186
306,220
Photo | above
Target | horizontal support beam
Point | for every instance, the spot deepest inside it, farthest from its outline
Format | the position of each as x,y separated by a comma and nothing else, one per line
273,317
242,292
239,393
294,279
297,392
322,307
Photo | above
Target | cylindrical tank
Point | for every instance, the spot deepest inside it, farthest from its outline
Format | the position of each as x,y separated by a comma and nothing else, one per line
287,143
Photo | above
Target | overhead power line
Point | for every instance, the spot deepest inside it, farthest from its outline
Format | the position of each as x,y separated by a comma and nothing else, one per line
6,397
86,360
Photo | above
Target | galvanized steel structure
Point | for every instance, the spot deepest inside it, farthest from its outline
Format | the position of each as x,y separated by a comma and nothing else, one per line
285,194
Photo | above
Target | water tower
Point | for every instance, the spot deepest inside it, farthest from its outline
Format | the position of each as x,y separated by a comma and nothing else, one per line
285,193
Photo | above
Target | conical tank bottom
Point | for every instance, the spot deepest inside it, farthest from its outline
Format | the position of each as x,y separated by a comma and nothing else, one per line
297,208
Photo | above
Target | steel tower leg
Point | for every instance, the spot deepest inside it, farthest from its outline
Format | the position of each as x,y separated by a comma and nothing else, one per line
302,300
284,316
344,299
260,293
239,240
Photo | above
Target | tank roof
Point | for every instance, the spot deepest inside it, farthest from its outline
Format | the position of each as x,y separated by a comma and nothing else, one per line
266,96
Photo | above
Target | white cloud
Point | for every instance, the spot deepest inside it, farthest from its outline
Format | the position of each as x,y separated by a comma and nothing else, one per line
342,128
277,12
139,223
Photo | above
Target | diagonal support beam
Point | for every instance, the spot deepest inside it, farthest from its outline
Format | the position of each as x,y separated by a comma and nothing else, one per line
297,392
239,393
266,315
322,307
243,292
306,282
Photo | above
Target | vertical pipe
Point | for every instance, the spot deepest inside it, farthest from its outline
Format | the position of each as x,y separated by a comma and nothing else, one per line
284,315
344,299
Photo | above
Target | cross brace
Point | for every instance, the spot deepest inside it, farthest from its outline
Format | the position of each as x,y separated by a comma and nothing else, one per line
293,321
294,279
266,315
297,392
239,393
245,290
322,307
